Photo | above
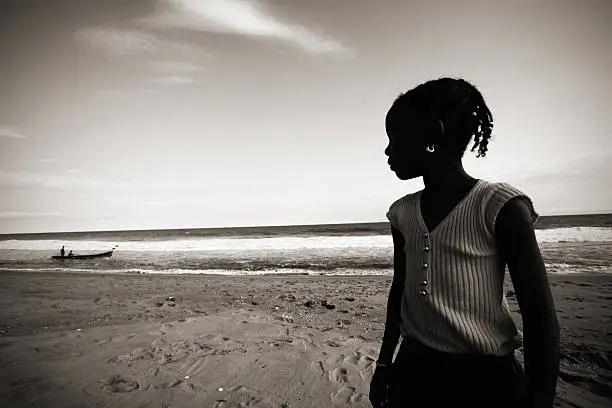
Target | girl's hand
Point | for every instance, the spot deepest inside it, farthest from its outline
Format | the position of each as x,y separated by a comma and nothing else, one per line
379,388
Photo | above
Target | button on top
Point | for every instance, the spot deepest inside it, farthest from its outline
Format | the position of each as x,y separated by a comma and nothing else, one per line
425,265
425,234
426,249
424,282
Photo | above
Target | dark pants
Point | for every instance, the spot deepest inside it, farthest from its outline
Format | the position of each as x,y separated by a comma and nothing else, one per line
425,377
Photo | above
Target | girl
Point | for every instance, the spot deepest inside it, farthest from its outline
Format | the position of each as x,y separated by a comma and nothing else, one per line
452,242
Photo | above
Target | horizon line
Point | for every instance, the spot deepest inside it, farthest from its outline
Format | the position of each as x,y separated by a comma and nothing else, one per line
253,226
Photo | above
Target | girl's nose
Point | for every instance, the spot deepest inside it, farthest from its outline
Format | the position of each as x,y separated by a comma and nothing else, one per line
387,151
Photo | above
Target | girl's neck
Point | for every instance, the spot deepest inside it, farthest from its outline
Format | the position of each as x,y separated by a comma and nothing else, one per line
447,179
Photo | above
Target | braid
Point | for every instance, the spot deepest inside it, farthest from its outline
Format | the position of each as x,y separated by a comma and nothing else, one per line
484,123
459,105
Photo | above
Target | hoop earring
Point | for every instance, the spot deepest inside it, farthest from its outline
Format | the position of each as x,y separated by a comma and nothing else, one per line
441,126
430,148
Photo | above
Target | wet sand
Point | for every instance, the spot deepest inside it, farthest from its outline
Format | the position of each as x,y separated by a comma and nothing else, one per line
100,340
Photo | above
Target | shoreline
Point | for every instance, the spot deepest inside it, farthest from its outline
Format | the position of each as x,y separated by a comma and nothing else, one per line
604,271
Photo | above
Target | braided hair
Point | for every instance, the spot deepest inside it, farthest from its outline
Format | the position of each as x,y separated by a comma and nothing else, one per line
457,105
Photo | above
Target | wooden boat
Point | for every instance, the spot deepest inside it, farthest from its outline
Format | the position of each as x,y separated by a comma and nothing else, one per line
86,256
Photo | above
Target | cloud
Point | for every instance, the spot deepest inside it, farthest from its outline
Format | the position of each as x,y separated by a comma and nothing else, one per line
11,132
126,42
249,18
126,93
129,201
175,72
59,181
21,215
173,80
176,67
48,160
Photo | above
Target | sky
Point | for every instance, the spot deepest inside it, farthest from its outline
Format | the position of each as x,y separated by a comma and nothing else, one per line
144,114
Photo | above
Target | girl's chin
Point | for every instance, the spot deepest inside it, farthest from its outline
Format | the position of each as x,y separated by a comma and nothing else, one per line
404,175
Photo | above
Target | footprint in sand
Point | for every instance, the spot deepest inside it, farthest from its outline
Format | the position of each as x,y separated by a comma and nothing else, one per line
161,379
165,380
119,384
242,396
362,364
317,367
136,354
347,397
334,360
308,344
351,369
339,375
193,365
165,352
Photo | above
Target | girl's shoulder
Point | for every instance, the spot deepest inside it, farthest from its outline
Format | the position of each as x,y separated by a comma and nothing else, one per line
490,185
500,189
397,208
495,194
406,198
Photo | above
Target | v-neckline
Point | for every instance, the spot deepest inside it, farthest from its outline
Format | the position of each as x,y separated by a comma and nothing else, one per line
447,216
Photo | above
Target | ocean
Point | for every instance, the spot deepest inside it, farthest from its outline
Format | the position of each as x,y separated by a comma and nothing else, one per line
338,249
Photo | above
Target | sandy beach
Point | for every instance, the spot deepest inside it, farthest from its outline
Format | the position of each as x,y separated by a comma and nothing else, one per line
102,340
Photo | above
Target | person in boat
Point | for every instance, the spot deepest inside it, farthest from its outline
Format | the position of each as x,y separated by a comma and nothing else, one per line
62,251
70,253
452,242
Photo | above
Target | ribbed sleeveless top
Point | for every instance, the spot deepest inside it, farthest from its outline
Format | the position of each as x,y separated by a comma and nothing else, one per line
453,298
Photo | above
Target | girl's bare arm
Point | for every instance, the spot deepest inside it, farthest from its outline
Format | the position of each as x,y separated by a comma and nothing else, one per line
392,324
517,243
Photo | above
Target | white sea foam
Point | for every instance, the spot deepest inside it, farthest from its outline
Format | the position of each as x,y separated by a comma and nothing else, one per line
575,234
565,269
236,272
551,268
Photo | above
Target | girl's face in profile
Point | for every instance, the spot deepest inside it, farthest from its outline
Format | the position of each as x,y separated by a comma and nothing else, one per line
406,148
